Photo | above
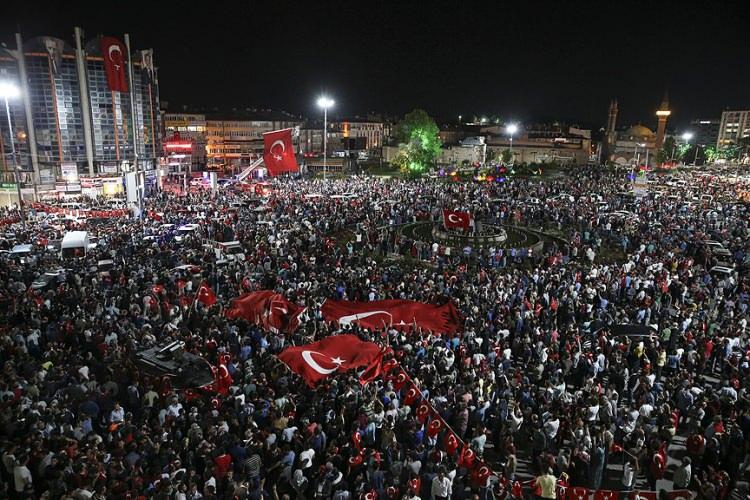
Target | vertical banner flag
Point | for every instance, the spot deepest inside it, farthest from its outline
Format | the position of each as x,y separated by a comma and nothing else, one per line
278,152
54,48
113,52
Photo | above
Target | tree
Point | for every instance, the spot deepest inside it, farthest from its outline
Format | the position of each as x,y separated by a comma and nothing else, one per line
506,156
667,151
419,143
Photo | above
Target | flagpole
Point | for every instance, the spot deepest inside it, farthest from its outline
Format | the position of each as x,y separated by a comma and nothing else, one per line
139,183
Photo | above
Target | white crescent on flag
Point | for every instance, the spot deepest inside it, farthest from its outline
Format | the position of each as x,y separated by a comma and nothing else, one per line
307,356
454,218
281,143
113,48
348,319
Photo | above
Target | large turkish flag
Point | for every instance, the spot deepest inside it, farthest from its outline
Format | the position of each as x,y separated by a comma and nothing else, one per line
268,309
278,152
113,52
399,314
314,362
452,220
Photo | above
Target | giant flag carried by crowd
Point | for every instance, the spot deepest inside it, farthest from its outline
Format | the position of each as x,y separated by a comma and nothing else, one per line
314,362
278,152
395,313
268,309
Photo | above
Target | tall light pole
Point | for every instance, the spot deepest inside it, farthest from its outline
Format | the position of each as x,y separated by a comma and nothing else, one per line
511,129
686,137
325,103
9,91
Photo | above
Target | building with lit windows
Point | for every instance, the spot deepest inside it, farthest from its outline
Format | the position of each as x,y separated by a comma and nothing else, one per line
734,126
355,134
706,132
182,127
68,124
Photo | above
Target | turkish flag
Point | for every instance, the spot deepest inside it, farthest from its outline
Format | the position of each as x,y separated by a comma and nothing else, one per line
268,309
395,313
422,412
314,362
578,493
415,484
467,458
278,152
113,52
206,296
399,379
451,443
606,495
453,220
412,393
480,475
436,425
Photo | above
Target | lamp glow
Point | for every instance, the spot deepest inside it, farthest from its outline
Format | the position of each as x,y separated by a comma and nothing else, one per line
687,136
512,128
8,90
325,102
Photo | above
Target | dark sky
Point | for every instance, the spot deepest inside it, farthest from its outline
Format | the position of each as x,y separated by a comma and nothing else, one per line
524,60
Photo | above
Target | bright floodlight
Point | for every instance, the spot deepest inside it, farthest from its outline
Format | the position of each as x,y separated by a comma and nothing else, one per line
512,128
8,90
687,136
325,102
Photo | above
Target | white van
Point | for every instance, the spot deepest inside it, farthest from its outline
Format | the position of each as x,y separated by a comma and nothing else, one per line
230,250
75,244
185,230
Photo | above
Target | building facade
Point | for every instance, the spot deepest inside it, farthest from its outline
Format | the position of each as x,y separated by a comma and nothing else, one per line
551,144
706,132
68,123
355,134
180,128
734,126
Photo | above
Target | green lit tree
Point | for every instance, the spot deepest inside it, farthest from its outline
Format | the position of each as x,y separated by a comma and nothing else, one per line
419,143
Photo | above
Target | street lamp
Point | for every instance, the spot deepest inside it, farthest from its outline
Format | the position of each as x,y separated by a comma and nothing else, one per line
10,91
686,137
511,129
325,102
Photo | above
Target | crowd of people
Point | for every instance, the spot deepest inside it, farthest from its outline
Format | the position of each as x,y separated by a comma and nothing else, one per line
538,383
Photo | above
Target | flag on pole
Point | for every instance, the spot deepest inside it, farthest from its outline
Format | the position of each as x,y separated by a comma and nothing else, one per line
205,295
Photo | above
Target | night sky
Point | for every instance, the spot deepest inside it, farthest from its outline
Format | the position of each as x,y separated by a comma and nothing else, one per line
528,61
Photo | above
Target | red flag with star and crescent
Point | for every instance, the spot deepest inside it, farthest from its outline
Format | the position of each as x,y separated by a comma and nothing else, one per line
319,360
278,152
113,52
206,296
453,219
268,309
393,313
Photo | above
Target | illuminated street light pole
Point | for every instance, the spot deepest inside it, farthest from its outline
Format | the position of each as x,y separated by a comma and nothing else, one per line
9,91
686,137
511,129
325,103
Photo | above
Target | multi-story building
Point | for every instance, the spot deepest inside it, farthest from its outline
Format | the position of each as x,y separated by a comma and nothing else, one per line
343,135
706,132
235,139
542,144
179,128
734,126
67,121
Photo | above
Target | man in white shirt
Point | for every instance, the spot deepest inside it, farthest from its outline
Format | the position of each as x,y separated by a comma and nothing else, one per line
22,475
117,415
441,486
